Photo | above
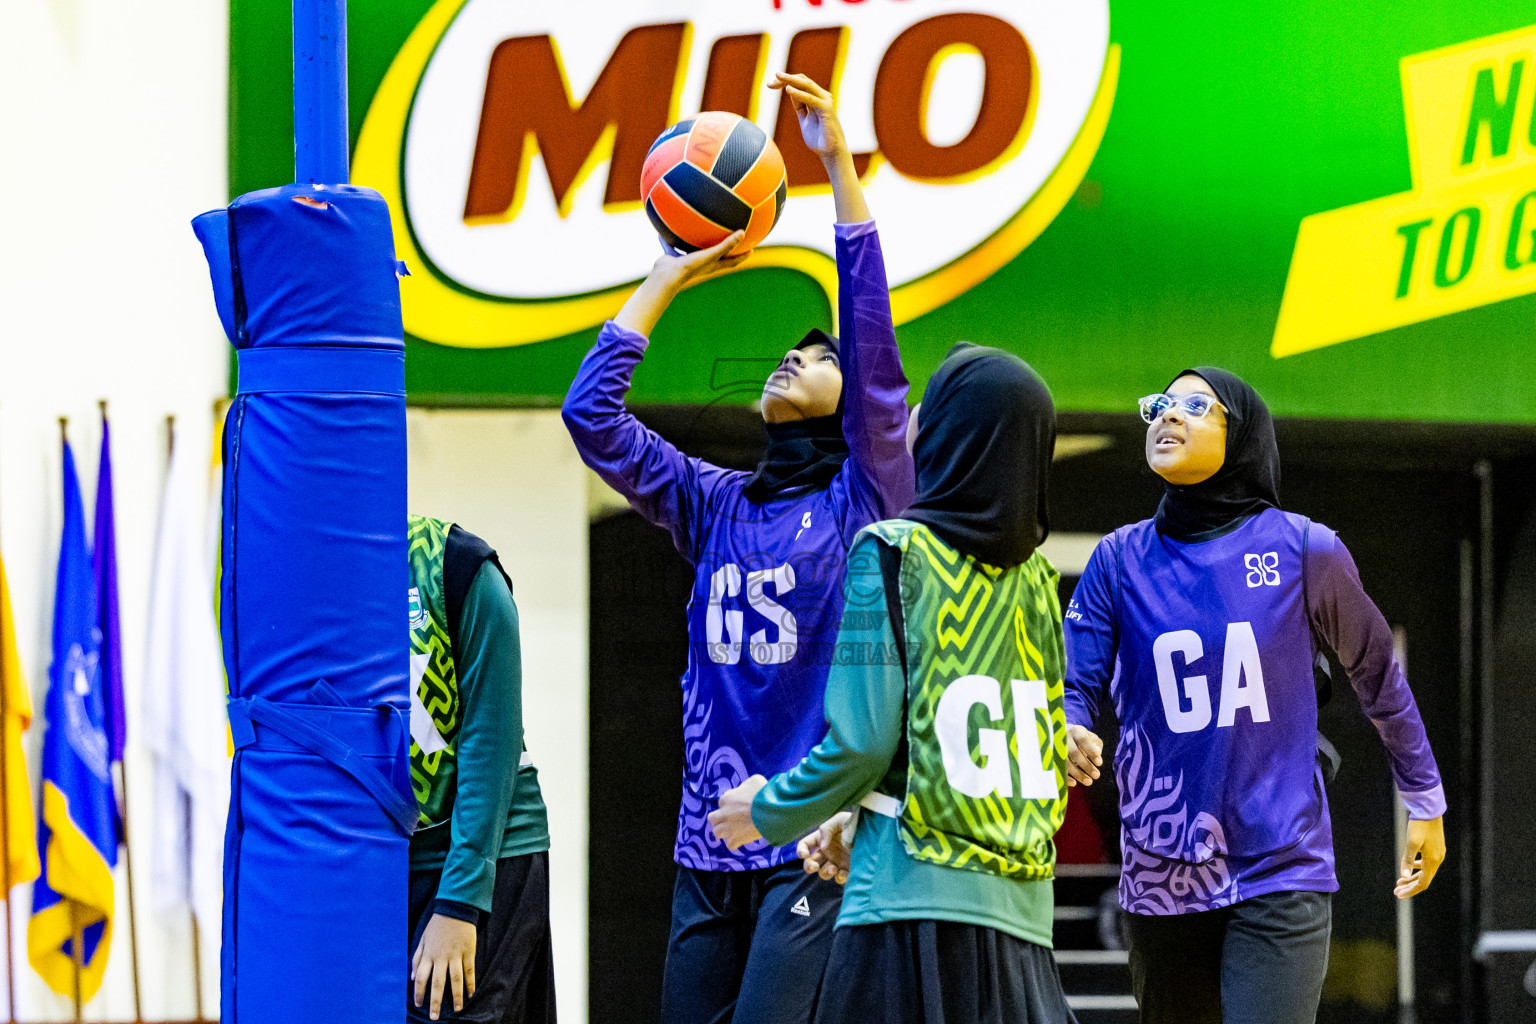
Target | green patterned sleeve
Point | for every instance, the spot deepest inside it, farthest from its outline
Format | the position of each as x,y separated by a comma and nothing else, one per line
865,710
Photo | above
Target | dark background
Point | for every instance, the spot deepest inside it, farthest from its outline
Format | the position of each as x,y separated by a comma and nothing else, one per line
1439,522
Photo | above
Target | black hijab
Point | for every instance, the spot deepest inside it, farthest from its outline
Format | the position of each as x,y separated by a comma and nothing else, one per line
985,435
1248,481
802,455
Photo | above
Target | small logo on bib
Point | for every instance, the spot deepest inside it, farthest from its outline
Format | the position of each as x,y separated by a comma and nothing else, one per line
801,907
1264,570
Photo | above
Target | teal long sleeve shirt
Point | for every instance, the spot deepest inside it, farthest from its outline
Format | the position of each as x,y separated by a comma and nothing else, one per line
866,708
498,809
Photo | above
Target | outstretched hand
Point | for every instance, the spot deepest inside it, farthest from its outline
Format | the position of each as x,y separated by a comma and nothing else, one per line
817,112
684,269
828,851
671,273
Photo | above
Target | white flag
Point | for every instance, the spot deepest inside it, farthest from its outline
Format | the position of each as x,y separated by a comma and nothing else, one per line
184,719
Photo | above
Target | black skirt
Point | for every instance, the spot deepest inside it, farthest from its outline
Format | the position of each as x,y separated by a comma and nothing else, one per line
514,961
939,972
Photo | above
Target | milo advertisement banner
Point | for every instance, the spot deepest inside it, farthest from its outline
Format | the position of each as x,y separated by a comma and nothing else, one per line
1336,201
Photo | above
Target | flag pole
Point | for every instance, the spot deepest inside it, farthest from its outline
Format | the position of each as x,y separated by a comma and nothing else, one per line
77,951
77,938
197,935
197,967
77,930
122,812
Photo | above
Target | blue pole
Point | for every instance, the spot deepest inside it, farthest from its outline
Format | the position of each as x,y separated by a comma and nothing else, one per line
320,92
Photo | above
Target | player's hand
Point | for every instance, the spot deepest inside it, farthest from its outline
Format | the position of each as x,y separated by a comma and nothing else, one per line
679,270
445,957
829,850
732,823
1085,756
819,126
670,274
1422,855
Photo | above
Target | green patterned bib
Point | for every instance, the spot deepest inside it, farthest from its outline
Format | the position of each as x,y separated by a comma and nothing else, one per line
433,760
986,785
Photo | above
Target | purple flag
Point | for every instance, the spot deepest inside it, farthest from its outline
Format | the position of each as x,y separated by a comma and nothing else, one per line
104,562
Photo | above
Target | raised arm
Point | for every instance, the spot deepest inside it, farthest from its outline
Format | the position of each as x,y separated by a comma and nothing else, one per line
662,484
879,477
823,133
879,472
1088,629
671,273
1349,622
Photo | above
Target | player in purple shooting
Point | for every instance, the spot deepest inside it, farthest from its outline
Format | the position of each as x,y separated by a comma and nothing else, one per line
1201,627
750,928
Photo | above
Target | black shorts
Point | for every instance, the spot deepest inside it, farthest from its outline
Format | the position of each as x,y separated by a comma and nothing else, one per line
1260,961
514,963
939,972
747,947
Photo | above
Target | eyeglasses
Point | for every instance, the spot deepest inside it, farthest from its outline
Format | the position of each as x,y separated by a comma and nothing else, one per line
1193,405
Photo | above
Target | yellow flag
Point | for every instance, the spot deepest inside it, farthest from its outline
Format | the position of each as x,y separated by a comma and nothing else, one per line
16,707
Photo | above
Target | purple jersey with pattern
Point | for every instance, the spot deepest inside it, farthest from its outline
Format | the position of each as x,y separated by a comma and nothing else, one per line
1206,650
767,594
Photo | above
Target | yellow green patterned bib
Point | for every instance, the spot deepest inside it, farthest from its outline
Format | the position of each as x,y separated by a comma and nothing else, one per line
433,759
986,785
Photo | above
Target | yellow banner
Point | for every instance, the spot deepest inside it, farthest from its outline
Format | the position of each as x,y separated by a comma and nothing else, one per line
1461,238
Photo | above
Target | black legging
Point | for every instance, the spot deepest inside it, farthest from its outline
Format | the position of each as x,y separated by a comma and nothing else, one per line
1260,961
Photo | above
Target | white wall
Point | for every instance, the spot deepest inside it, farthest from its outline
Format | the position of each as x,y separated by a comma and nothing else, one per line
514,479
113,118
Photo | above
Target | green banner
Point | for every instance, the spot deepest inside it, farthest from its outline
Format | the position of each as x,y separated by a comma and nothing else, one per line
1336,201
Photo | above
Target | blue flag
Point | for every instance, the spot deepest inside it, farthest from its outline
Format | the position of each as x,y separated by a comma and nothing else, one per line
104,559
77,836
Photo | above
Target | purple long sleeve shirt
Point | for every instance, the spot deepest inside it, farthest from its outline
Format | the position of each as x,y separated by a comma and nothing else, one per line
1205,650
767,595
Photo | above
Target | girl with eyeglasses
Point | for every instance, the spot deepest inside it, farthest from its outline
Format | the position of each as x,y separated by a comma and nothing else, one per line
1201,627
